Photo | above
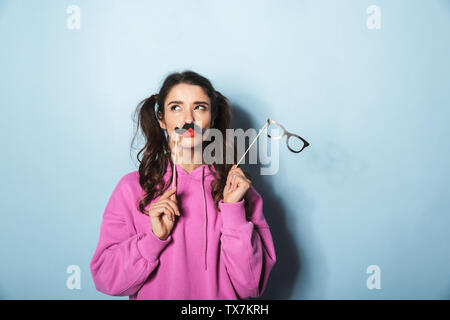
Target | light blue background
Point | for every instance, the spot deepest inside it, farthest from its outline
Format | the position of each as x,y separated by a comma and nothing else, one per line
371,190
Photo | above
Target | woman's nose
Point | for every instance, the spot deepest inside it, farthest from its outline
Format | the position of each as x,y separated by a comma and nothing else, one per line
189,117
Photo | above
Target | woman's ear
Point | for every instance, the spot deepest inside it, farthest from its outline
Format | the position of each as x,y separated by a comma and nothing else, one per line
161,121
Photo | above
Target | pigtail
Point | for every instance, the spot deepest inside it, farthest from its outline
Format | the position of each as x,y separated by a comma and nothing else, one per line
154,153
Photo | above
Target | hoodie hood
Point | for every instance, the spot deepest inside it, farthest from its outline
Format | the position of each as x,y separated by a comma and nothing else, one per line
203,175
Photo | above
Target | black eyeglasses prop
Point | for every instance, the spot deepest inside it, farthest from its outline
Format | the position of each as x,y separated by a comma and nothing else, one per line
294,142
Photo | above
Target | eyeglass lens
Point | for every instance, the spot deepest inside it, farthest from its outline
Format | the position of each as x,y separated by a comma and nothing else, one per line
295,143
274,131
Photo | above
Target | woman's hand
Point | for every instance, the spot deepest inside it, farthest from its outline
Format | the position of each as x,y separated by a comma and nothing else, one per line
162,214
236,186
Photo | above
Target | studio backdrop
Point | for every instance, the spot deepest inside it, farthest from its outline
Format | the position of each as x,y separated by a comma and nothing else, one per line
361,213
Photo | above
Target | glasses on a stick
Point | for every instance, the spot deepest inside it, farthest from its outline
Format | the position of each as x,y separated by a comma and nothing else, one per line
294,142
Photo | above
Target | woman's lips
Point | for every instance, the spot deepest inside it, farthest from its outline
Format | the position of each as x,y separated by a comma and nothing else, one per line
189,133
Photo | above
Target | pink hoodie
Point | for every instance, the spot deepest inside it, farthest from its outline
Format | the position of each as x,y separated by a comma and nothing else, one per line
209,254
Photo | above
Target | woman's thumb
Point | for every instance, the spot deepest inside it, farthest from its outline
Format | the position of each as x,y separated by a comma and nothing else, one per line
169,192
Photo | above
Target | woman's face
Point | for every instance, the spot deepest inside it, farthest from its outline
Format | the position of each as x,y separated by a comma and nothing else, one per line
186,103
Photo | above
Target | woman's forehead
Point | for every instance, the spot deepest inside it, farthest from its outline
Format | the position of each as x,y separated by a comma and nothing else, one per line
187,93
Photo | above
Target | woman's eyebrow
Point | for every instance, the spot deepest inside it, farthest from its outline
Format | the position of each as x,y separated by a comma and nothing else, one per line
195,102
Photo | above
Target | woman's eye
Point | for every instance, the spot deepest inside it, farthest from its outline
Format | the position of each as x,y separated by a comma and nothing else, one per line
174,106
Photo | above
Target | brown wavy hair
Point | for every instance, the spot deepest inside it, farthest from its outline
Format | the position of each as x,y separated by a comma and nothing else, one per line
156,152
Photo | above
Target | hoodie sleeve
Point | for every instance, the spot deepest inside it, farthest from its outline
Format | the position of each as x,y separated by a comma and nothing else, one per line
247,246
123,260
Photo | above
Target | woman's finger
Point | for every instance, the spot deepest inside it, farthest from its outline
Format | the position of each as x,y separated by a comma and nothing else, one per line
173,205
154,212
168,193
229,183
232,178
159,211
170,211
237,181
232,183
233,168
242,178
237,170
168,207
242,175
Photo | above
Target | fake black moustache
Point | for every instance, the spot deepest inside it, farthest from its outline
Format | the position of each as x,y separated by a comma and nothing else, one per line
192,125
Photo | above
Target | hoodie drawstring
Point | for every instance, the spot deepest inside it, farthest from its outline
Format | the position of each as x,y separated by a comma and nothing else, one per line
205,212
206,220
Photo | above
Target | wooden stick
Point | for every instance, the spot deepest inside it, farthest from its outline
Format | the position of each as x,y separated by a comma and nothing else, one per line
261,130
175,161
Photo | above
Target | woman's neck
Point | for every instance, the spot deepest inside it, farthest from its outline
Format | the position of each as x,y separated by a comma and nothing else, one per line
189,167
189,164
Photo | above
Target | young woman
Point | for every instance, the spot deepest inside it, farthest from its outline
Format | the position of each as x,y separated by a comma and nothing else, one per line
205,239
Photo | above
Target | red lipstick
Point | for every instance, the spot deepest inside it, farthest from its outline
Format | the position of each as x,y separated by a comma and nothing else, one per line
189,133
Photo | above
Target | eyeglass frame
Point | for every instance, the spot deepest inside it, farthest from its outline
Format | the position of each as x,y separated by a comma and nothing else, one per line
286,133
